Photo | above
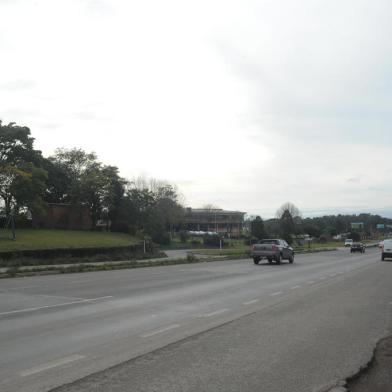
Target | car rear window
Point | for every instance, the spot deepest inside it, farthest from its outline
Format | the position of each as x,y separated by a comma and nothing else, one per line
269,242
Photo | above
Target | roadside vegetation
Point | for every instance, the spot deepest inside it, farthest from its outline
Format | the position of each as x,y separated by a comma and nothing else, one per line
51,239
127,218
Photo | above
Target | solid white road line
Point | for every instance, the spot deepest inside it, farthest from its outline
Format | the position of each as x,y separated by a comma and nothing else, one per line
158,331
54,306
220,311
277,293
51,365
253,301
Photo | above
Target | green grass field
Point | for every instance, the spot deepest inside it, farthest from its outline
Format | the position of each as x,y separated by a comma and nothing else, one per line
48,239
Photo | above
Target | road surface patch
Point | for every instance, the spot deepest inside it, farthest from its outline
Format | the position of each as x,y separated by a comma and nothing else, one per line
51,365
53,306
158,331
295,287
253,301
277,293
220,311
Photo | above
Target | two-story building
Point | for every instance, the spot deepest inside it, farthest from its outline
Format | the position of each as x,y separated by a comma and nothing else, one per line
225,222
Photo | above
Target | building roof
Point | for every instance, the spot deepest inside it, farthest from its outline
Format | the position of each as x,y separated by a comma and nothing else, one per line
213,211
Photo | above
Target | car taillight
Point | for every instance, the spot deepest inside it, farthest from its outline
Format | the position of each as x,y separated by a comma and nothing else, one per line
253,247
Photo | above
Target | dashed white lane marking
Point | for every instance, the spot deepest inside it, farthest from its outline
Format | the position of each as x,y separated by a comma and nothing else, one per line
332,275
158,331
322,277
51,365
253,301
57,296
310,282
295,287
220,311
54,306
277,293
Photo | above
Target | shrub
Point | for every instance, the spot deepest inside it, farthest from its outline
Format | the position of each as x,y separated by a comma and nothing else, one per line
213,240
121,227
184,236
323,239
191,257
161,237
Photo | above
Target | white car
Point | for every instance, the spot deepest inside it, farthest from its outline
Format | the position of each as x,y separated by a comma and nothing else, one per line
386,250
348,242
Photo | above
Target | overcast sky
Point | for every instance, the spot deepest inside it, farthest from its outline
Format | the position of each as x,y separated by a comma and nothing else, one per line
241,104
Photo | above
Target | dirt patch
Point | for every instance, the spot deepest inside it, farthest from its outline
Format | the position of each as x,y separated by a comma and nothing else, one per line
378,376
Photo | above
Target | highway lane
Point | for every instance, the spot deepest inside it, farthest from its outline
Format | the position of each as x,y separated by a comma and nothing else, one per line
56,329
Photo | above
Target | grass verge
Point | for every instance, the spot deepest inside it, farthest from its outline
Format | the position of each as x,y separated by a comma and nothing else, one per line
30,239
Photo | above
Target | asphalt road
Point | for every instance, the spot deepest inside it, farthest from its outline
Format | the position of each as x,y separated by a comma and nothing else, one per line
222,326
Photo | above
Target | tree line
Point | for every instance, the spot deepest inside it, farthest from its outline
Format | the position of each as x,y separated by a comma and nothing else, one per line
29,182
289,224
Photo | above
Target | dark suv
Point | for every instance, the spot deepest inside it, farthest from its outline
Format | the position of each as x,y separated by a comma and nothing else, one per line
357,247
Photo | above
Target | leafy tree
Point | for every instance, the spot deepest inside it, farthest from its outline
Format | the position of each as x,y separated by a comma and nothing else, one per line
257,228
312,229
151,207
72,165
78,177
100,188
58,183
22,181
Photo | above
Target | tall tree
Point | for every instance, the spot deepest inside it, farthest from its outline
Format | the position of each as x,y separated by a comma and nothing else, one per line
72,164
22,181
78,177
257,228
289,218
152,207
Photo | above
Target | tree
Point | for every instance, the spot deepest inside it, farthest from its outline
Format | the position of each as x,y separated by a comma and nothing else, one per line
288,208
258,229
71,164
100,189
289,218
151,207
22,180
312,230
78,177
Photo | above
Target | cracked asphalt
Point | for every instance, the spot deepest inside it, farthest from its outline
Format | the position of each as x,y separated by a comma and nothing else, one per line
378,377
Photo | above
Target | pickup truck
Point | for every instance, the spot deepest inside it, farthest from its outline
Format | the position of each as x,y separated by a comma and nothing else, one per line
272,249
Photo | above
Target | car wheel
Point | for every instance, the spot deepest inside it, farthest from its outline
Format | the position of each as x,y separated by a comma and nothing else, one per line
256,260
291,259
278,259
269,260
